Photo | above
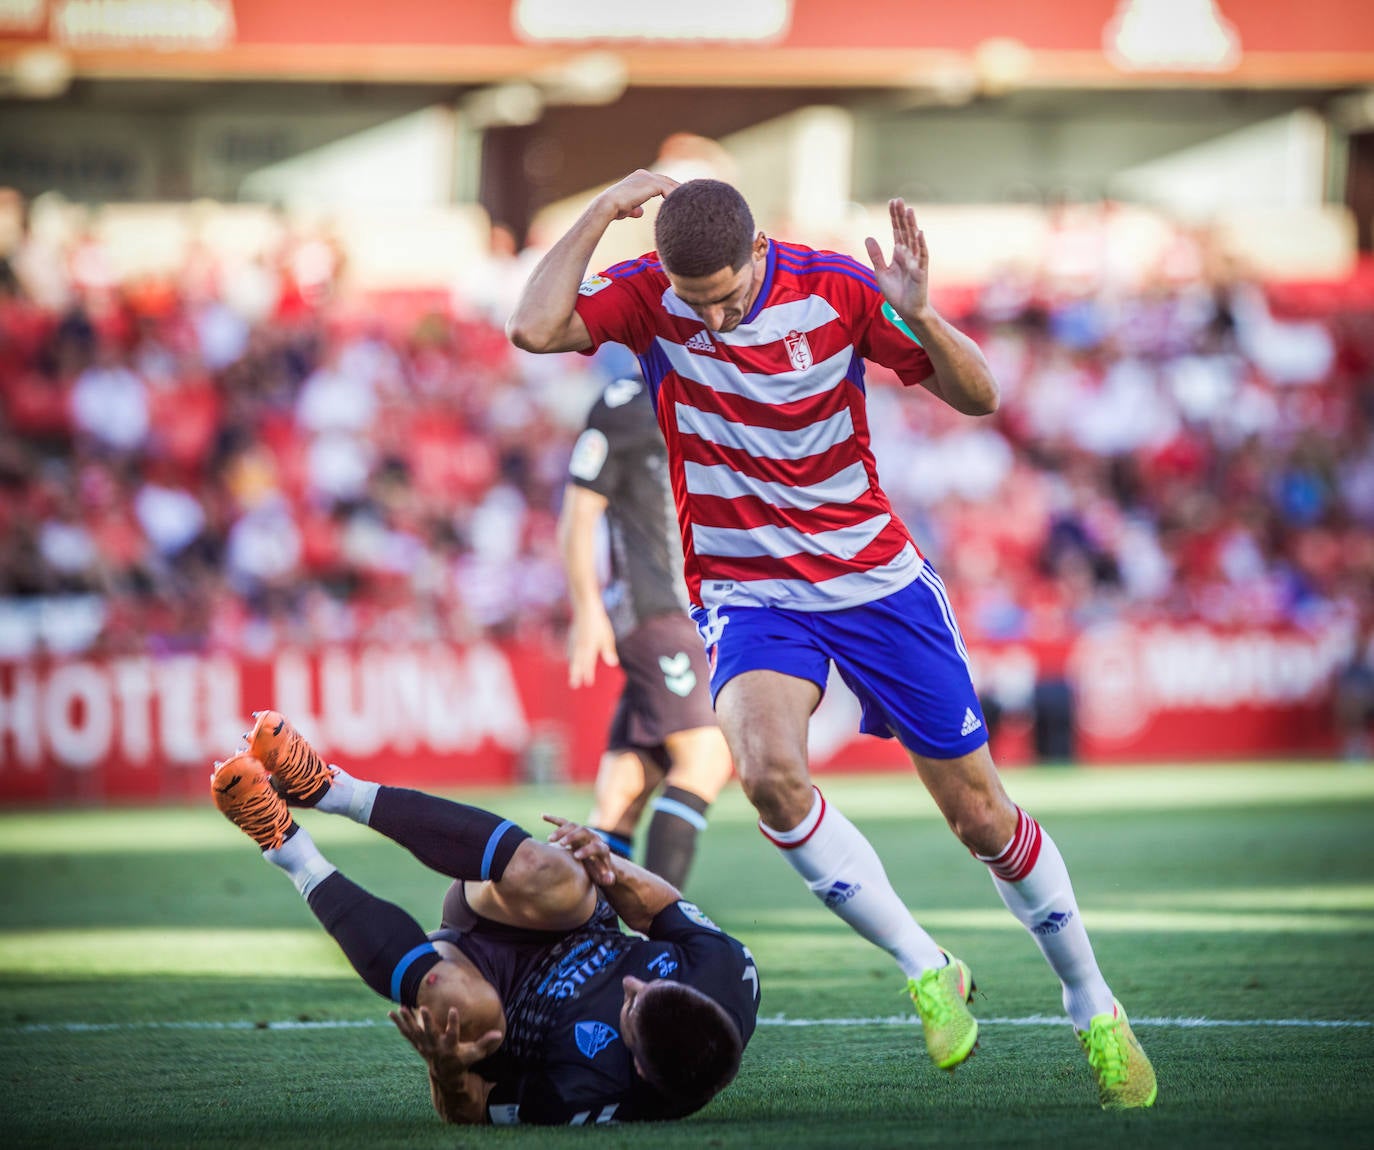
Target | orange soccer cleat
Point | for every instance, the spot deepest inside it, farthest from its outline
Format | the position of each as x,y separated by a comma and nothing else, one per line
244,794
298,773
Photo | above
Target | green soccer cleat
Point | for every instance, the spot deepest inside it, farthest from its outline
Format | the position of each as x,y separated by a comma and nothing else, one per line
941,999
1125,1078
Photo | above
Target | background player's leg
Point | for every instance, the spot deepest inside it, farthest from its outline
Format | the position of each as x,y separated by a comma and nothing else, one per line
1026,868
624,781
700,768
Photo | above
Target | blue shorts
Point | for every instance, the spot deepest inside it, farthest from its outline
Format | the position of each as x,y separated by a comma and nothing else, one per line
902,656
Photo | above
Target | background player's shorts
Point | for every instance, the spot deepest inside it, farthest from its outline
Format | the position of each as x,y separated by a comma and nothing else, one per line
666,690
902,655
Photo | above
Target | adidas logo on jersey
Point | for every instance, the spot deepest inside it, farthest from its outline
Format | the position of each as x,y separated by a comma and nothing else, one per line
971,722
700,342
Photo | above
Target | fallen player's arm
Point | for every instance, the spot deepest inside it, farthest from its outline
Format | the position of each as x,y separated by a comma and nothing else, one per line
635,894
459,1095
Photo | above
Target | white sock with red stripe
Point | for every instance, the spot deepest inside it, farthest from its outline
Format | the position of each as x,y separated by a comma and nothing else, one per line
1033,881
844,872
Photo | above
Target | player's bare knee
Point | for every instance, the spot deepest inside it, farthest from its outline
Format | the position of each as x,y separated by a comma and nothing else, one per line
780,791
543,872
983,824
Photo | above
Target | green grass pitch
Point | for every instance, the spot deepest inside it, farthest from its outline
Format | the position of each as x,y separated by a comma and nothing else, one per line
161,986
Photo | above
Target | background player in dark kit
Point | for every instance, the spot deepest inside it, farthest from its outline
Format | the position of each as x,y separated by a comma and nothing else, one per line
664,732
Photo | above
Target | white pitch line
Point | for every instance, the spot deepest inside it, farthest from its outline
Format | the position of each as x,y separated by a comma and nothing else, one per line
771,1020
1060,1020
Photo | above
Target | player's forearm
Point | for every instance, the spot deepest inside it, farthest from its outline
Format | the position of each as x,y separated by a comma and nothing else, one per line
638,895
577,548
962,377
459,1096
543,317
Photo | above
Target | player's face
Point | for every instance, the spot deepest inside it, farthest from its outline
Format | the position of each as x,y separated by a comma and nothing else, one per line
723,298
634,995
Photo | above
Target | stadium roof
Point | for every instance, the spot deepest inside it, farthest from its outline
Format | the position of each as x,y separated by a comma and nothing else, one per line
862,43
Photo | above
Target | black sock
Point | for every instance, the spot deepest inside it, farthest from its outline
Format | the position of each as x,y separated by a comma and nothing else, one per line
672,841
386,946
451,838
621,845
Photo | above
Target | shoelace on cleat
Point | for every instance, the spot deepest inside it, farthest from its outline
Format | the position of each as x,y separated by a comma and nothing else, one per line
299,768
933,1004
1107,1052
259,815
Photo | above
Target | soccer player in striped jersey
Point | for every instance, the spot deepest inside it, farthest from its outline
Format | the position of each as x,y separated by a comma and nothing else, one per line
754,352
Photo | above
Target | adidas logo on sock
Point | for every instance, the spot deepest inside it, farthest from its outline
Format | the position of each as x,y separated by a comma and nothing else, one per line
971,722
700,342
840,892
1054,923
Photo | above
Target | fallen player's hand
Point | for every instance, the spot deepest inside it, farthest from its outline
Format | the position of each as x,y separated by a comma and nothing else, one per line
442,1048
587,847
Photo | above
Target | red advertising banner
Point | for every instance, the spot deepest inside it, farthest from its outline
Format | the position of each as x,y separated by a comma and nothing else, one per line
147,727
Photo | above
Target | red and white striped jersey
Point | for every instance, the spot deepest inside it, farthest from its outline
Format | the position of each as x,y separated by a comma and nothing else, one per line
776,487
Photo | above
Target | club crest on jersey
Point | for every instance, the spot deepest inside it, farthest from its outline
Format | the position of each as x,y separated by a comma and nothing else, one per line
593,1037
593,284
798,350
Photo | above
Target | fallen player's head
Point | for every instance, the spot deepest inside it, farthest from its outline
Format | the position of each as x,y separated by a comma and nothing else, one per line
684,1043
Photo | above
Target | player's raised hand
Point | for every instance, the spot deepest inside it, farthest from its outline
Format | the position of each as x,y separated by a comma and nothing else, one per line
629,196
904,280
590,639
586,846
442,1046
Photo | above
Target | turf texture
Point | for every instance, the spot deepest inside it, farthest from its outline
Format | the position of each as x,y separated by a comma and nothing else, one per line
161,986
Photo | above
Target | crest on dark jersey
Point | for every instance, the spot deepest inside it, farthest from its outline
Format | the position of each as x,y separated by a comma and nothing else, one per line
593,1037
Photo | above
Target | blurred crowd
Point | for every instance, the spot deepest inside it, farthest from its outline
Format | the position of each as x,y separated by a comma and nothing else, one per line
247,454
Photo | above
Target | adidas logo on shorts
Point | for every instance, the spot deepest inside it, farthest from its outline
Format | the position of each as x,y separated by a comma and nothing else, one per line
971,722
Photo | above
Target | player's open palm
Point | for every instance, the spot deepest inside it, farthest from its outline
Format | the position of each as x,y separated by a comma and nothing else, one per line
904,279
440,1046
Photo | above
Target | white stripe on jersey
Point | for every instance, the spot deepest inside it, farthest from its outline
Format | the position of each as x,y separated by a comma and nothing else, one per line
781,542
785,387
844,486
766,442
835,594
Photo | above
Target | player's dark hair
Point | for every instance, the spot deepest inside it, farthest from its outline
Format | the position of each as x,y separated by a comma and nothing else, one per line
688,1047
703,226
